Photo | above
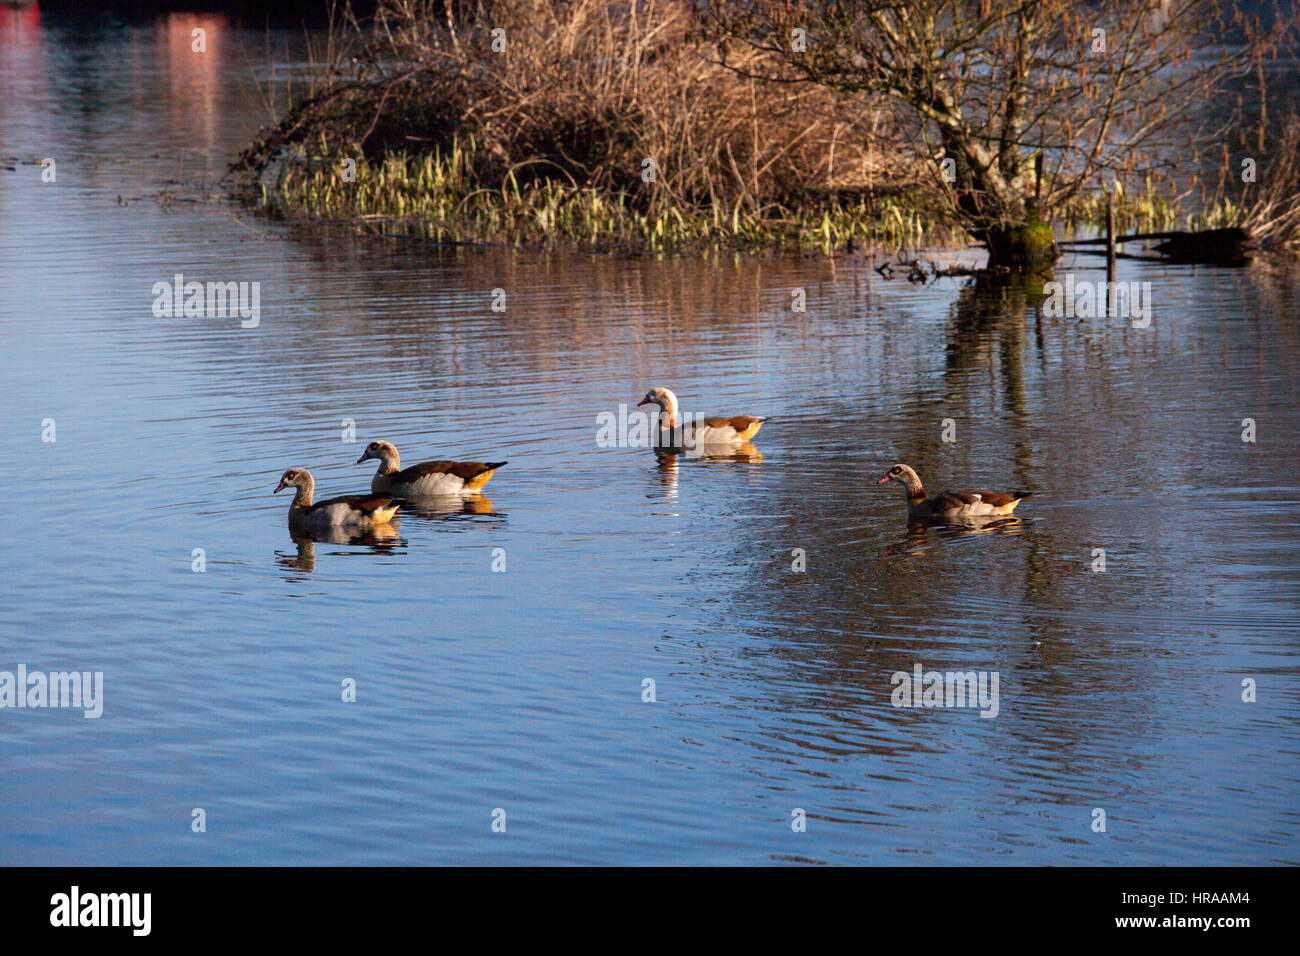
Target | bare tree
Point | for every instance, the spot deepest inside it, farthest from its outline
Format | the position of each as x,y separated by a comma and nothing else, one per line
1022,104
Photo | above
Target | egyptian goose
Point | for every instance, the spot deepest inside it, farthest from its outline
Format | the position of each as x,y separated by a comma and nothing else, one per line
346,511
951,504
427,480
701,431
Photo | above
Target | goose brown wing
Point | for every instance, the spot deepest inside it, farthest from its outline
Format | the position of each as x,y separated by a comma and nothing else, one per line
464,470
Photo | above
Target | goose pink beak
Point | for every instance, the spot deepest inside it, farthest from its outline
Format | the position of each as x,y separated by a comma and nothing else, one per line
279,488
883,480
363,457
644,401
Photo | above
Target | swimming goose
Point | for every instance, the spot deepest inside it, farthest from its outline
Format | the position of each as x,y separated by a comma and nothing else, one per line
951,504
428,480
698,431
350,511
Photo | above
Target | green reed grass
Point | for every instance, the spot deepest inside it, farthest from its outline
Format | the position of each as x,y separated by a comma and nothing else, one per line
439,195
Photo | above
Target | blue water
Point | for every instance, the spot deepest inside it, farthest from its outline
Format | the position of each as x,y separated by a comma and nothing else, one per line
522,690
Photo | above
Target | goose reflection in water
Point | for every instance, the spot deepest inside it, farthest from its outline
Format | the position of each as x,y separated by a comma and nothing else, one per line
381,539
922,533
668,468
743,451
670,460
447,506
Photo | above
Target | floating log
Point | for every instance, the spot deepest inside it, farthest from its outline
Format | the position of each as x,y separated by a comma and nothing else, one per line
1212,246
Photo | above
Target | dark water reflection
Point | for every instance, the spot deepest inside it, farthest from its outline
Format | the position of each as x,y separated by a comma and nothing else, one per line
384,539
499,646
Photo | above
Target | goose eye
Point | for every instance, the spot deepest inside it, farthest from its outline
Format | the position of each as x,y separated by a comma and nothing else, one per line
895,470
374,446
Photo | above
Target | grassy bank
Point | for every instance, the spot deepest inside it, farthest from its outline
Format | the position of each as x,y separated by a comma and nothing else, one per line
438,195
586,122
612,126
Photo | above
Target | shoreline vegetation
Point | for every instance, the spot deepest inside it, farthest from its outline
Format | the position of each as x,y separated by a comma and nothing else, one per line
666,125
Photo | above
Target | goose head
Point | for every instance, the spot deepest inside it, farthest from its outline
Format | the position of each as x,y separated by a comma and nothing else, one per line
665,399
381,451
293,478
904,475
662,397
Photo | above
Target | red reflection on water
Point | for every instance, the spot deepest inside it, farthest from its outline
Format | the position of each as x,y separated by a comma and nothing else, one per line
193,44
22,63
20,26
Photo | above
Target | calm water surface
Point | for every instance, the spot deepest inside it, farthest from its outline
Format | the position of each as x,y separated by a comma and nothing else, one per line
522,690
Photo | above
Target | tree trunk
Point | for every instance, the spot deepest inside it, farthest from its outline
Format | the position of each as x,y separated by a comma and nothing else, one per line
987,199
1029,245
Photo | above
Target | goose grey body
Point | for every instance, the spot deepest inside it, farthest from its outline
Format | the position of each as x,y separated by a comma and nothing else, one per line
964,504
345,511
429,479
696,432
